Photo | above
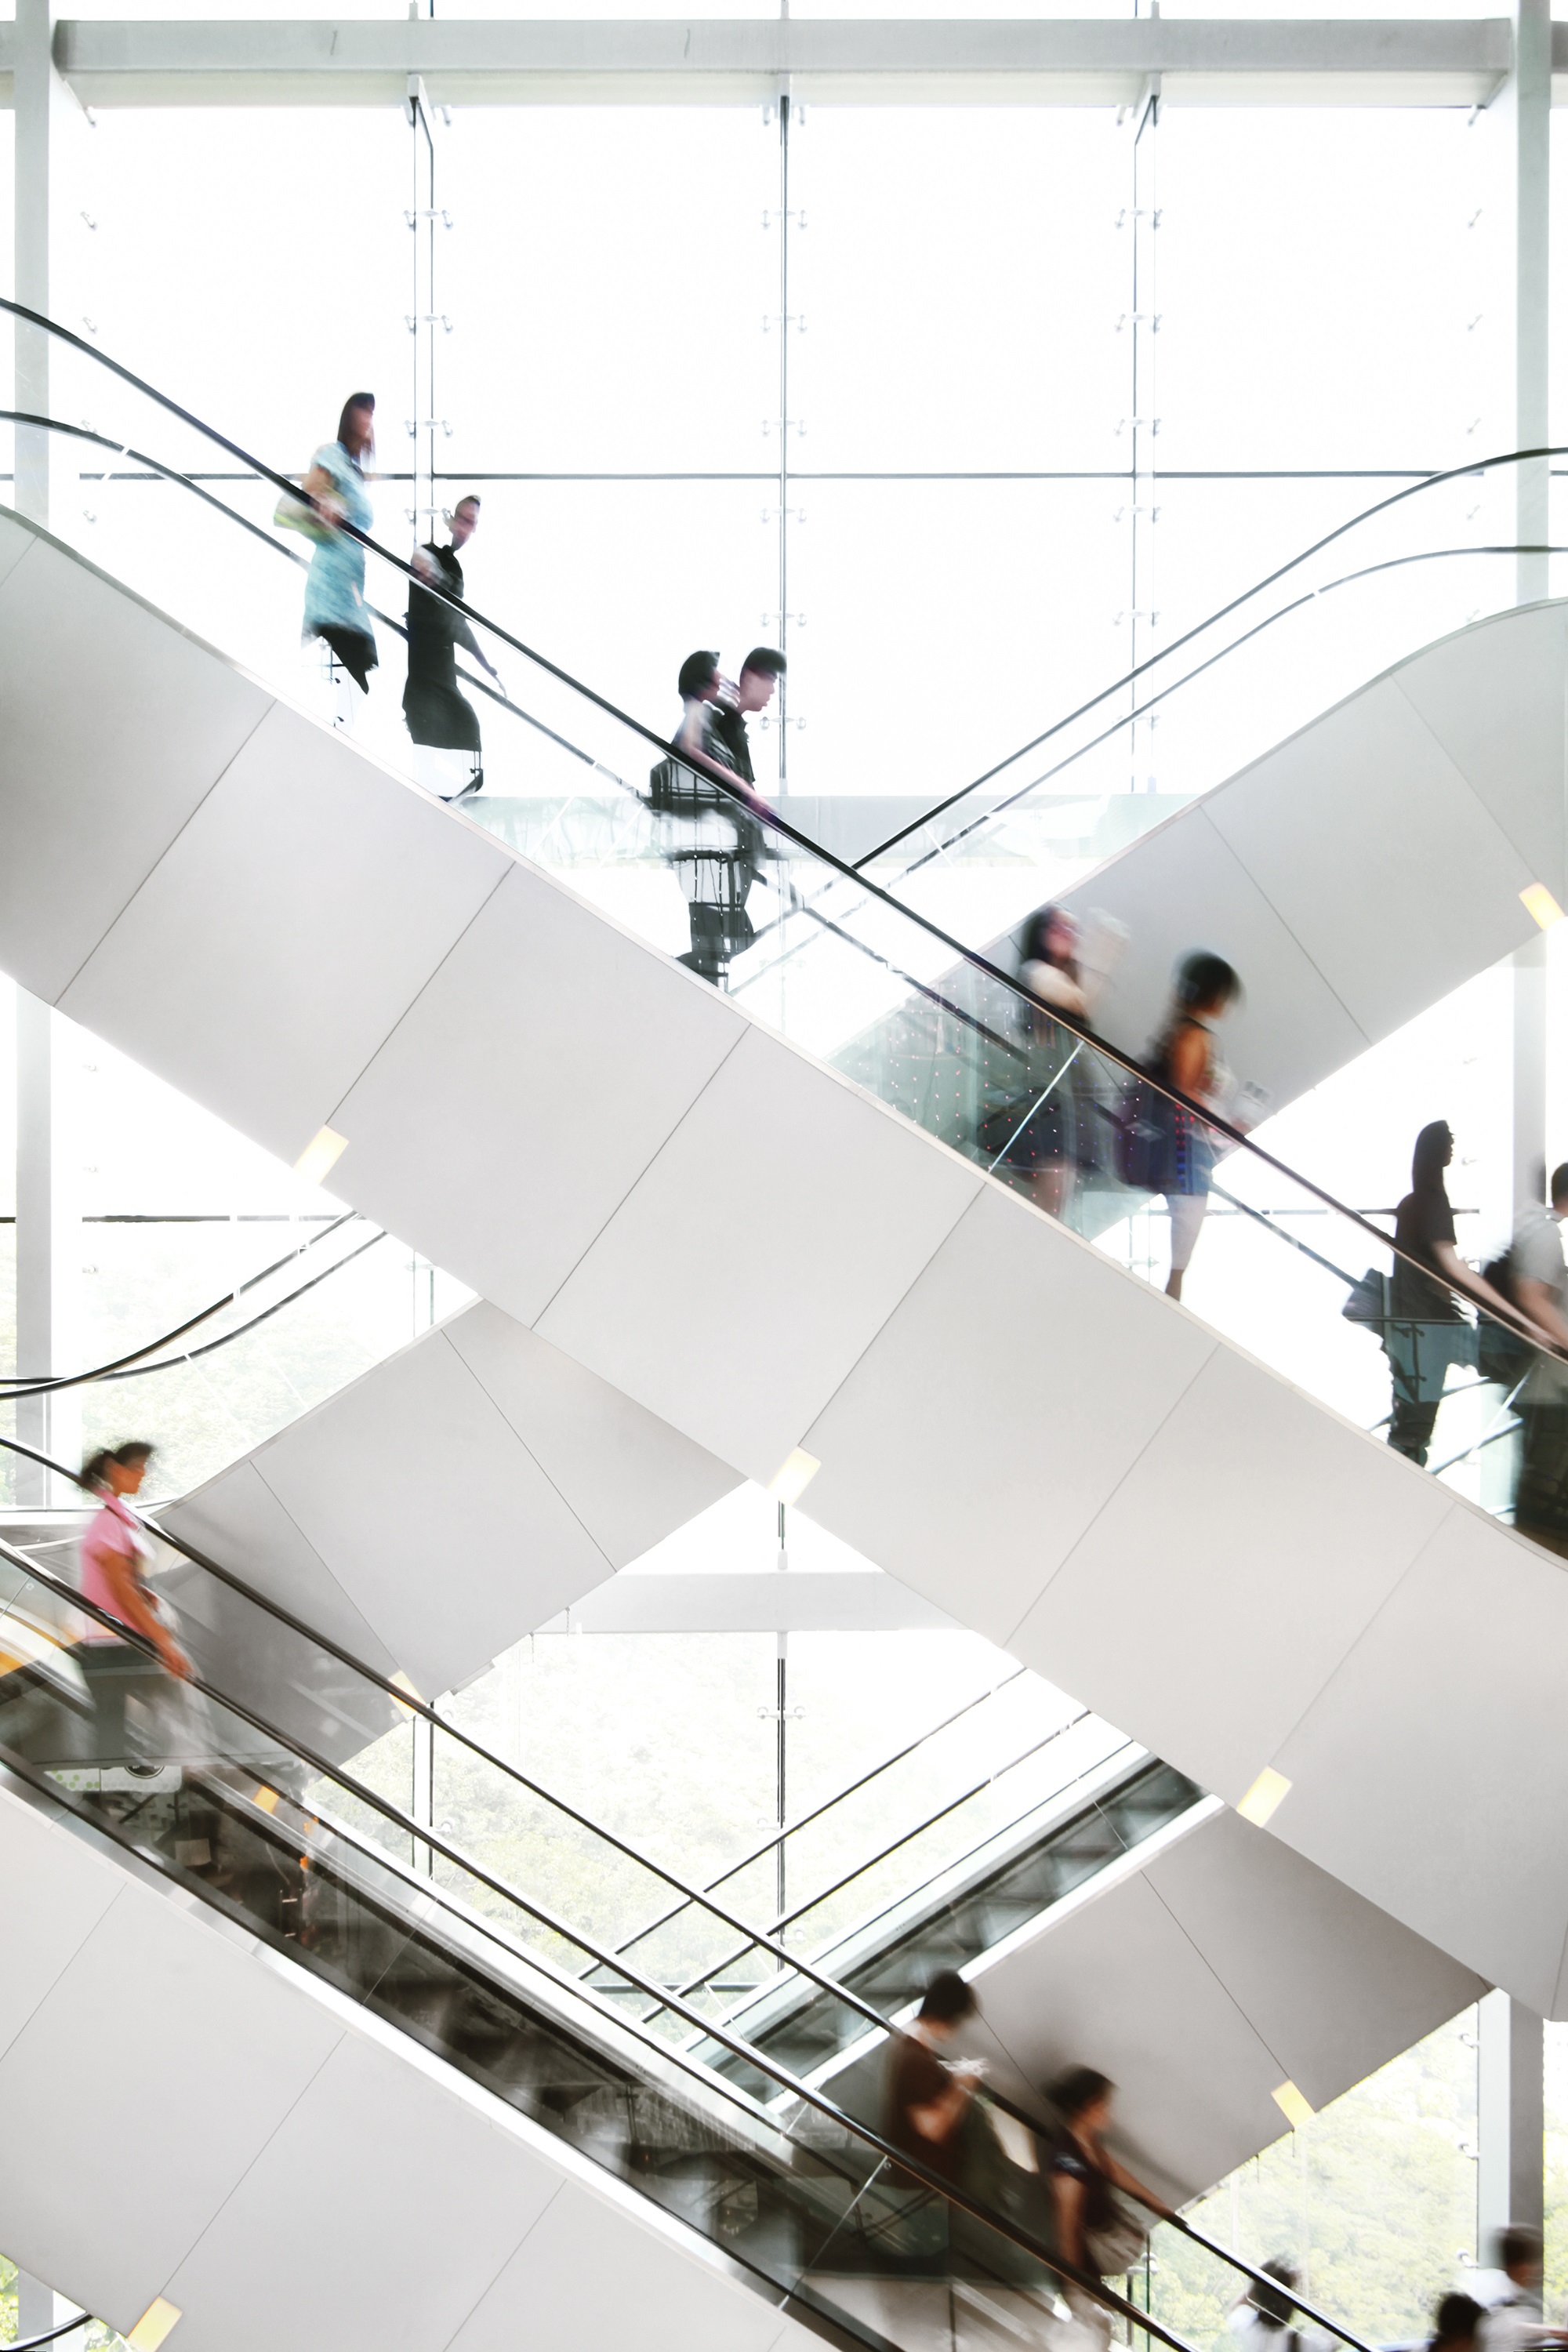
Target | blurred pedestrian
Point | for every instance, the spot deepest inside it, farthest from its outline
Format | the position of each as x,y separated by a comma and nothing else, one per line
1049,1122
711,840
1513,2321
334,488
1538,1280
1456,2325
1094,2231
442,721
1263,2316
123,1686
1169,1149
928,2097
1426,1331
752,692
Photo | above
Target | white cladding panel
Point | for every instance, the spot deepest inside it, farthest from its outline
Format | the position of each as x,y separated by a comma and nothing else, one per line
184,2111
56,1895
550,1057
779,1227
115,727
312,895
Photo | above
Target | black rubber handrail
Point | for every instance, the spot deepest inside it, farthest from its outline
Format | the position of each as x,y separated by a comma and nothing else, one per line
430,1889
1223,612
67,2328
977,962
19,1384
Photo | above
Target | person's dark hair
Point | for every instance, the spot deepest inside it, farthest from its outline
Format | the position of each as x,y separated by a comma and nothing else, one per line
1077,2088
1558,1187
1204,978
695,675
358,400
1434,1148
766,660
1037,941
1517,2243
94,1468
947,1997
1271,2302
1456,2320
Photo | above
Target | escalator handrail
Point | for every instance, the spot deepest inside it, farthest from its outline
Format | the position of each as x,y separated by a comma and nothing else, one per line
789,1917
171,474
411,1705
13,1387
804,2093
977,962
1210,2245
65,2327
1222,613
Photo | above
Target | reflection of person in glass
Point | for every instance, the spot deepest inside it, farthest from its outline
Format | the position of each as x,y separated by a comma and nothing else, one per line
1426,1331
1045,1148
751,694
335,609
441,720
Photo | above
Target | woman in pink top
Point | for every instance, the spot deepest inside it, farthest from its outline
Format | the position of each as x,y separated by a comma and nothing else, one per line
111,1554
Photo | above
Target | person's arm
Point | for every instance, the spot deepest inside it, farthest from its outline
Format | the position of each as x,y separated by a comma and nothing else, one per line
1459,1277
1538,1302
1133,2186
131,1607
1067,2194
1190,1061
940,2118
324,495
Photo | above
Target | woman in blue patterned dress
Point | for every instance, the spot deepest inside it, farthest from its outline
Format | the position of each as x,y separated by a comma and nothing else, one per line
335,608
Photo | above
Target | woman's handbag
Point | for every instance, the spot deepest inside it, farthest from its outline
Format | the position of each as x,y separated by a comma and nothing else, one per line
1118,2244
292,513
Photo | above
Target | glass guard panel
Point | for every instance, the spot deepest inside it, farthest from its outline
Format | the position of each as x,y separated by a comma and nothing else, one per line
680,850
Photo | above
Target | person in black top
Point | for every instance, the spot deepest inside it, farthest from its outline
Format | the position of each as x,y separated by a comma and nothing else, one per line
1082,2177
440,720
752,691
1426,1331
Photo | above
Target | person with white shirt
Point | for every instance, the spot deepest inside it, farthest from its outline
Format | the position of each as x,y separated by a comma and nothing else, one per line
1537,1276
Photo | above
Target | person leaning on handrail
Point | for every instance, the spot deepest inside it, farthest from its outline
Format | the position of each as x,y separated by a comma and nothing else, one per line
1094,2231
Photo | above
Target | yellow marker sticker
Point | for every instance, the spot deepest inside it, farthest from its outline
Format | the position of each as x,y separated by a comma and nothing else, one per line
1263,1799
1539,902
267,1800
402,1682
1293,2107
797,1475
154,2325
321,1156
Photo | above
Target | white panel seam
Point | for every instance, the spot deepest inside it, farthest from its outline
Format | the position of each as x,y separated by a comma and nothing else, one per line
91,1929
1084,1533
1291,934
190,817
918,1276
495,1402
1432,735
1250,2021
346,1596
659,1149
241,2177
1346,1654
510,2256
447,952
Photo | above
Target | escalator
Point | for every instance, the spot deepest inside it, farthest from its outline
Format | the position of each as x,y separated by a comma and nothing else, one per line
320,1880
1009,1419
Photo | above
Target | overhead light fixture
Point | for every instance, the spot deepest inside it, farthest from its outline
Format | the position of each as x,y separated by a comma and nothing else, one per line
1539,901
1262,1800
321,1156
1293,2107
791,1483
154,2325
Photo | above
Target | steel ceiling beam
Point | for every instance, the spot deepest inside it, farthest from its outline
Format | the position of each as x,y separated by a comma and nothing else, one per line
1032,61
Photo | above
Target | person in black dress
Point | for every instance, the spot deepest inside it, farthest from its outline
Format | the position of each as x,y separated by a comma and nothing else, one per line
441,720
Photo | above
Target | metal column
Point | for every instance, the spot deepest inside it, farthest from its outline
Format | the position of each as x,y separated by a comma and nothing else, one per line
1509,2177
